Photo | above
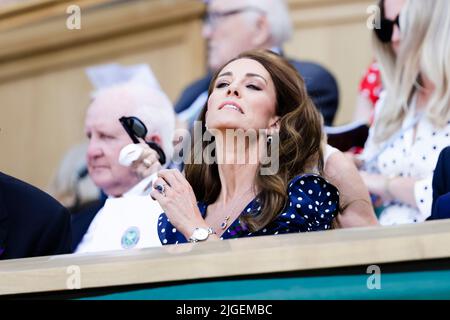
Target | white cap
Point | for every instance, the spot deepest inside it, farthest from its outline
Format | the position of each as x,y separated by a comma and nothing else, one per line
130,153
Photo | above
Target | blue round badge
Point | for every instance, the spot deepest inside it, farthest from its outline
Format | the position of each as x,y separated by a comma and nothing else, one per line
130,238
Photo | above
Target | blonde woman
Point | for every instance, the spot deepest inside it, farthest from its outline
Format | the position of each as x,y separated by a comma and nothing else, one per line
412,122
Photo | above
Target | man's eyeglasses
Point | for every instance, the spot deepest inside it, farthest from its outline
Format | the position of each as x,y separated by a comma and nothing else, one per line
135,129
386,29
212,18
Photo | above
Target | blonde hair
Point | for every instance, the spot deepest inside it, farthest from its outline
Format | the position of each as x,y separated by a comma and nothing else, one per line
424,51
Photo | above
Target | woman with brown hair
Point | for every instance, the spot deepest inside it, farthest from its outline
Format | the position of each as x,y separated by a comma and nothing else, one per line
257,92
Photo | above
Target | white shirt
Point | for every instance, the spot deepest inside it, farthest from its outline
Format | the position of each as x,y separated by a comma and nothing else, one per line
408,158
125,222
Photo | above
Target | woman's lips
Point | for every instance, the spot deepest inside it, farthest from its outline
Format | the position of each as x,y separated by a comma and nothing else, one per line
232,106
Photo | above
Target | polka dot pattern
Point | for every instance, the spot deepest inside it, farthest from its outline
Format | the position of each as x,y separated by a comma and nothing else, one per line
413,154
312,205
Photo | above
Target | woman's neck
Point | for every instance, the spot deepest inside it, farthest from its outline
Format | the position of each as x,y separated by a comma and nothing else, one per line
238,162
236,180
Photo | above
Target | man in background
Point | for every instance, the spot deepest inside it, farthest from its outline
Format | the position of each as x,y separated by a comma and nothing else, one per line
235,26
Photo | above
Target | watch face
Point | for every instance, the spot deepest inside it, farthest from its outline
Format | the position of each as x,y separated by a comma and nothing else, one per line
200,234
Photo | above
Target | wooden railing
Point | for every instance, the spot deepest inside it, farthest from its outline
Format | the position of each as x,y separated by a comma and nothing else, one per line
216,259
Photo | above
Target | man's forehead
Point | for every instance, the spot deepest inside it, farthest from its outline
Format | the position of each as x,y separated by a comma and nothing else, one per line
100,116
221,5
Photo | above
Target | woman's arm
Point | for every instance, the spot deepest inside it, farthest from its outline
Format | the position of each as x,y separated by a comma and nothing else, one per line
354,196
398,188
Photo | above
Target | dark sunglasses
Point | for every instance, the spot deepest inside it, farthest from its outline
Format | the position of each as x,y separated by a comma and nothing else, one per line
386,29
135,128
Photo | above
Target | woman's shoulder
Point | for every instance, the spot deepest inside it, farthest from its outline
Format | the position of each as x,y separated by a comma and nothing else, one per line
313,191
312,201
311,180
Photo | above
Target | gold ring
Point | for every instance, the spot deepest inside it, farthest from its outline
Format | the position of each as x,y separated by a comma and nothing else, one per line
147,163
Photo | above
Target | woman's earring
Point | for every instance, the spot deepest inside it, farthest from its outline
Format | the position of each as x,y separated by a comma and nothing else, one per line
269,139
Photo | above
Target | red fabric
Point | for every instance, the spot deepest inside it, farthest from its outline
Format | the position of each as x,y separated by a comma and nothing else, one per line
370,85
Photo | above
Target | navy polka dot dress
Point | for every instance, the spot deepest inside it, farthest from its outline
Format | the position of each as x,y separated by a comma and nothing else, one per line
312,205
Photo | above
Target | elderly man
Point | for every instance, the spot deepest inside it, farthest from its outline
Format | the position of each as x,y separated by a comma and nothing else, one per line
234,26
128,218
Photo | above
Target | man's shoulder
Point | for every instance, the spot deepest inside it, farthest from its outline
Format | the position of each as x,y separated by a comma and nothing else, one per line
309,69
442,209
36,223
22,198
445,154
202,83
191,92
443,164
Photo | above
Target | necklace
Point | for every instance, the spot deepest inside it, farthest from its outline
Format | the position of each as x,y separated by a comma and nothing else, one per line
226,221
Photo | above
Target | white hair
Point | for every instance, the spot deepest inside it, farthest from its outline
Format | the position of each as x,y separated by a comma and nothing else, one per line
277,13
150,105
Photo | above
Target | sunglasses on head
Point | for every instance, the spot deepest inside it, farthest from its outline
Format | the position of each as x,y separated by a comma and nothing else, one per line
135,129
386,29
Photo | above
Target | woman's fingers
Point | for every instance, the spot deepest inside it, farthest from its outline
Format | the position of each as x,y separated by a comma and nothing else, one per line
170,178
174,177
181,178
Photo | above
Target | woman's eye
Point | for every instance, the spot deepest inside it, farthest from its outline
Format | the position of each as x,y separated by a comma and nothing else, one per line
221,85
253,87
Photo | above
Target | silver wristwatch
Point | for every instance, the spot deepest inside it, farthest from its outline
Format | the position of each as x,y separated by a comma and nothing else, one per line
201,234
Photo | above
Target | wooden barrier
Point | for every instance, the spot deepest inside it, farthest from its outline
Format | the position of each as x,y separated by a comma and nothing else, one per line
217,259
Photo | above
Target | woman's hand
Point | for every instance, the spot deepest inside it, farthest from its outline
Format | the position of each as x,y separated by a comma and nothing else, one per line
148,163
377,184
176,197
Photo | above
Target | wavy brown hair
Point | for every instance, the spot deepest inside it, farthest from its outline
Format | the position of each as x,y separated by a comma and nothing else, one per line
300,137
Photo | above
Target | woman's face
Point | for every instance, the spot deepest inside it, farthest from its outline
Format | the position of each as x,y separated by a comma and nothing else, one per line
243,97
392,9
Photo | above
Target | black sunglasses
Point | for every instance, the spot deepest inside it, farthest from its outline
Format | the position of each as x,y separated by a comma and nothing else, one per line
135,128
386,29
